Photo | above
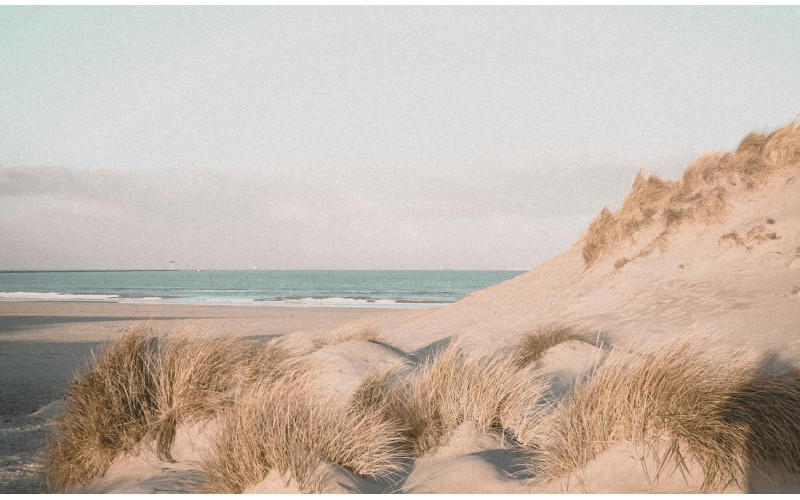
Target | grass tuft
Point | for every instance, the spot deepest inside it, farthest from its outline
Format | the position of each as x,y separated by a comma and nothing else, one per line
452,388
107,411
765,410
725,416
782,146
604,233
367,334
142,386
280,423
535,343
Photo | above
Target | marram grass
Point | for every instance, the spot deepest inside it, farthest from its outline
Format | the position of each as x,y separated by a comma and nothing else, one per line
699,196
727,415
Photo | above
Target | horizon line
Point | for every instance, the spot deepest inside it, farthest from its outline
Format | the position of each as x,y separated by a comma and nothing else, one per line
240,269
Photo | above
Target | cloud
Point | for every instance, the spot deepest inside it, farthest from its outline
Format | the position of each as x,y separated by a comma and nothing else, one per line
412,218
36,181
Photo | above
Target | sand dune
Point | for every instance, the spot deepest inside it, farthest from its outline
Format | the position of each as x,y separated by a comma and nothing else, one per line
679,372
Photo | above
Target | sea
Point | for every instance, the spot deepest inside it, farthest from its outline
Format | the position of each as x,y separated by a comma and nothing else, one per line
390,289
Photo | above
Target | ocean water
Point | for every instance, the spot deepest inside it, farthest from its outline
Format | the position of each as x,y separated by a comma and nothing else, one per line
397,289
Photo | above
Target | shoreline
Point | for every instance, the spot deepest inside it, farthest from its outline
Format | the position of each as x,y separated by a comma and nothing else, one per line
302,302
290,288
84,321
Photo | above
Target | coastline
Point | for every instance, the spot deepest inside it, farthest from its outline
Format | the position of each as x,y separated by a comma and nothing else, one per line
99,321
293,288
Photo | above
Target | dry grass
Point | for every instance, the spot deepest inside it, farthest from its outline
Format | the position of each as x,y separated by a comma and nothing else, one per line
724,416
143,386
706,204
535,343
193,379
436,397
782,146
107,411
755,235
699,196
280,423
270,416
727,417
603,234
367,334
647,198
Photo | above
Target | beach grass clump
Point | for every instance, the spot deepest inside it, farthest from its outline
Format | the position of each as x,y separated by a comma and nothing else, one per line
280,423
683,405
434,398
604,233
193,379
621,262
536,342
700,195
782,147
646,199
106,412
673,395
142,386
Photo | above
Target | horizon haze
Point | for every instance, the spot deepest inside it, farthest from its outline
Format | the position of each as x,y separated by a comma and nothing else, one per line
361,137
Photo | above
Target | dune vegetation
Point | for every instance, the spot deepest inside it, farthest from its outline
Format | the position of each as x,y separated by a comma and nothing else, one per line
270,416
281,423
536,342
700,195
142,387
677,401
363,334
680,403
432,399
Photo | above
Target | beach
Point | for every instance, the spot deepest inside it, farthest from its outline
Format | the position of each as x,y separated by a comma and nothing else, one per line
659,354
401,249
43,344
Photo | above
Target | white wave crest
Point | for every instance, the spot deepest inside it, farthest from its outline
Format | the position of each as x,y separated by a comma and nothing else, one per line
55,296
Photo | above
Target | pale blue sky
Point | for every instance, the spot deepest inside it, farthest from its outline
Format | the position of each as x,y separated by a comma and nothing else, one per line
439,137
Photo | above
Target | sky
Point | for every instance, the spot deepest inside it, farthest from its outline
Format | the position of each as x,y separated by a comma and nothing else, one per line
361,137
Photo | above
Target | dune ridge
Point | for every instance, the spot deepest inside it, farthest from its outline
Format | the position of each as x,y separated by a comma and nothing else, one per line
699,196
665,342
